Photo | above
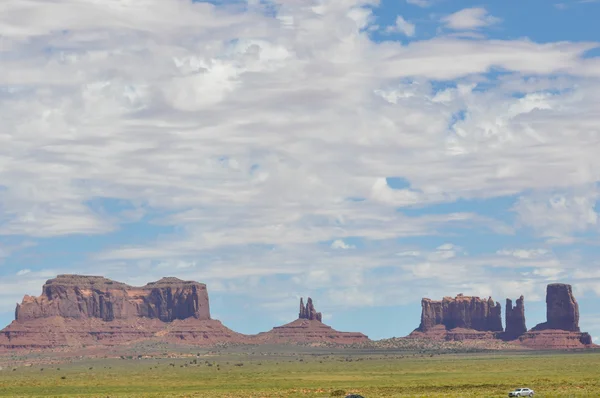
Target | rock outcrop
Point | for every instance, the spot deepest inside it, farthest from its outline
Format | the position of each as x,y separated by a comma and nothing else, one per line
561,329
308,311
471,319
462,312
309,329
515,319
562,310
79,297
81,310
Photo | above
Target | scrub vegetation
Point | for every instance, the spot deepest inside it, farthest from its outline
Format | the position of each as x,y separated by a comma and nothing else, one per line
322,373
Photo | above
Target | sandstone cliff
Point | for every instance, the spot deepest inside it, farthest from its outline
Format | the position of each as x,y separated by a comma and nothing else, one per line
561,329
562,310
79,297
461,312
78,310
515,319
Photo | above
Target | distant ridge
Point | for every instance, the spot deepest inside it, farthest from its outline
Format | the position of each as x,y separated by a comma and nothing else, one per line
79,310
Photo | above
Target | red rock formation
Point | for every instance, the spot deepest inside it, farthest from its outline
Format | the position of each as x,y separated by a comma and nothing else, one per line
461,312
73,296
309,311
562,310
303,331
308,328
515,319
75,310
561,329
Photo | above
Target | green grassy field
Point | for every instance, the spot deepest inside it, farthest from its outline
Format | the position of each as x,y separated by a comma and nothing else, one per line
372,374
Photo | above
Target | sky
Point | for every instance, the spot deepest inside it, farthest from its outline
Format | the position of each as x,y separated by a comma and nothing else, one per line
364,153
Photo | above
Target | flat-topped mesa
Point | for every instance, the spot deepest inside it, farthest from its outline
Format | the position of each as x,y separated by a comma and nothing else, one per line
78,297
515,319
308,311
463,312
562,310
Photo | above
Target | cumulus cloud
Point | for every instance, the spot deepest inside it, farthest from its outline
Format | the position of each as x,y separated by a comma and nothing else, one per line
402,26
340,244
253,136
560,216
469,19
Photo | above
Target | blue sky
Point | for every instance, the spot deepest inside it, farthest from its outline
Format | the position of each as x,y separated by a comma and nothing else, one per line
364,153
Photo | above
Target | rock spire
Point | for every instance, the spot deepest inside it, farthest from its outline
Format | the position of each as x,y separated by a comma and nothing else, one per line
308,311
562,310
515,319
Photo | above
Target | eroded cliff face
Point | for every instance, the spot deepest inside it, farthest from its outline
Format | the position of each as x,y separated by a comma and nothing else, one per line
81,297
463,312
515,319
562,310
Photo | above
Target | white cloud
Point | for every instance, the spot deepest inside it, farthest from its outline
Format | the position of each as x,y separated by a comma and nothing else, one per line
559,216
550,274
402,26
255,137
469,18
340,244
23,272
421,3
523,253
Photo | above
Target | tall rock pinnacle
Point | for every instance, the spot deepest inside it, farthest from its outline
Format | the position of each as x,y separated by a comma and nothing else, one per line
562,310
302,313
308,311
515,319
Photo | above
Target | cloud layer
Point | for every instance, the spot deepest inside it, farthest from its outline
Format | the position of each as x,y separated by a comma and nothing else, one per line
261,139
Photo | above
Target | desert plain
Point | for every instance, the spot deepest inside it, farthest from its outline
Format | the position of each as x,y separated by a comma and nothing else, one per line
88,336
410,369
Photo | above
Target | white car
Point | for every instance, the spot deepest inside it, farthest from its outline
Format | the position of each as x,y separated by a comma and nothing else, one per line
521,392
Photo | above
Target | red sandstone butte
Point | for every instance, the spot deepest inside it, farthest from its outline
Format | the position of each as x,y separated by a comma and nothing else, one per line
309,329
459,318
561,329
74,310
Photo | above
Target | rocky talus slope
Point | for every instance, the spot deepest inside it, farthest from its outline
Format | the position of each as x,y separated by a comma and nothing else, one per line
309,329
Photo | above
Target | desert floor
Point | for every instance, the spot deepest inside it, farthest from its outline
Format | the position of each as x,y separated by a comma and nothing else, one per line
162,371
